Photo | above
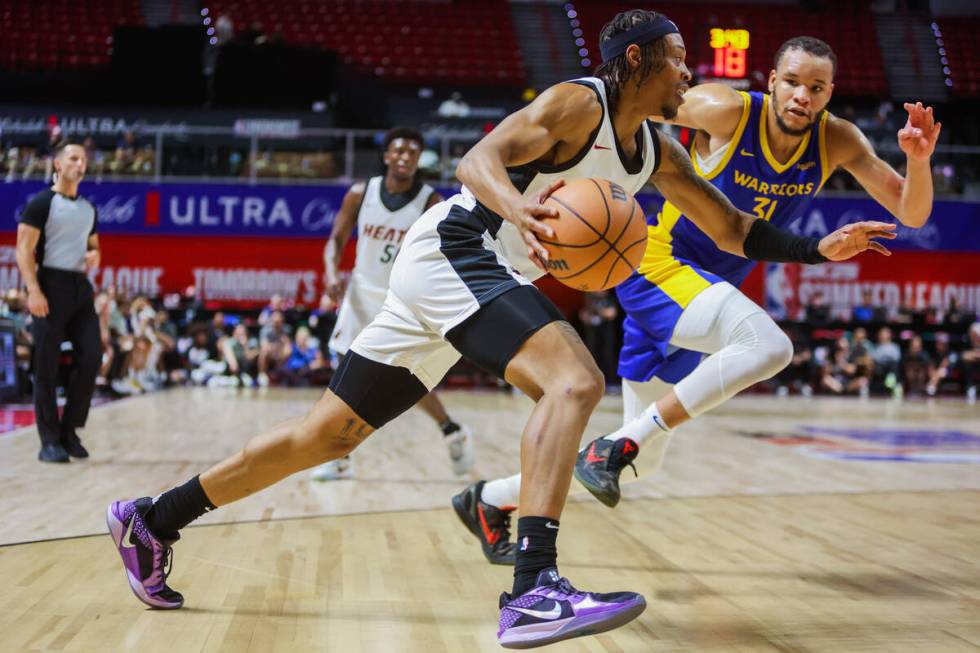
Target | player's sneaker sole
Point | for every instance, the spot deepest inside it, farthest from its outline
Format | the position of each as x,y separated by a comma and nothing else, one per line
524,637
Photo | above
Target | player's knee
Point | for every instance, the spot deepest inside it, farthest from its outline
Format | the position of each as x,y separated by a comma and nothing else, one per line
775,352
582,386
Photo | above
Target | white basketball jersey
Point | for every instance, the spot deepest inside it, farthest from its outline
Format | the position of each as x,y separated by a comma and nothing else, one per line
602,157
382,222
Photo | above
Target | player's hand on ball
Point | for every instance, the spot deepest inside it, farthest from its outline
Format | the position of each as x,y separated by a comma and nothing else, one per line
919,135
850,240
529,218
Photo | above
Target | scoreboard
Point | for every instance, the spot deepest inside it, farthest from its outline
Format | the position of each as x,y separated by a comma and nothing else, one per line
730,48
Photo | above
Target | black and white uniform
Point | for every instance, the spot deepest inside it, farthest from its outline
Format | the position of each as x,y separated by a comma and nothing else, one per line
383,219
66,224
462,283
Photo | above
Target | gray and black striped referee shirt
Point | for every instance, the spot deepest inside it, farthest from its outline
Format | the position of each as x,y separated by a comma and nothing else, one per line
65,224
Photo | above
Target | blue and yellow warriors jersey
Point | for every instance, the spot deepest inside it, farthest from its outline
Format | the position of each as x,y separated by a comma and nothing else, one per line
681,260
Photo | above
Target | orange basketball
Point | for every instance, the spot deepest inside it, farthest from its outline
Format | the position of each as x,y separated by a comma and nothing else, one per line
600,234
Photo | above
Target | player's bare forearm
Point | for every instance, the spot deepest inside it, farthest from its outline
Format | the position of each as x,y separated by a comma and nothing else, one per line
700,201
484,172
915,205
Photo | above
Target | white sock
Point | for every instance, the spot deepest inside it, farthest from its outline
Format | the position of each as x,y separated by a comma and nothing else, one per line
638,429
502,492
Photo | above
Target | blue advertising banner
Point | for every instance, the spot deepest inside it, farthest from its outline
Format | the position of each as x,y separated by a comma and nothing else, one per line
267,210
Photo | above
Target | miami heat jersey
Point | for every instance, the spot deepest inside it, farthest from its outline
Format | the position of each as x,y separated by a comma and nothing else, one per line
382,222
602,157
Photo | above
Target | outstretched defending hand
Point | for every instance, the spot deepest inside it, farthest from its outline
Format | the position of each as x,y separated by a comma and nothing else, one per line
918,137
528,218
850,240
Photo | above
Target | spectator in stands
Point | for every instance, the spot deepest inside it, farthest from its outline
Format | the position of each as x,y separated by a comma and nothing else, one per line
886,356
954,316
217,329
125,154
817,310
275,304
947,367
241,354
304,359
971,363
861,349
454,107
867,311
917,367
203,359
840,374
275,345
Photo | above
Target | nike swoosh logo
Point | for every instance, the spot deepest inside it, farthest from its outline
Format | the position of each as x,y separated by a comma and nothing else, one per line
659,423
553,613
600,147
550,525
128,534
744,153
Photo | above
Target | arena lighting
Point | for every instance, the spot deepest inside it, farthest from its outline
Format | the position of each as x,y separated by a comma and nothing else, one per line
210,31
207,21
214,40
574,22
204,12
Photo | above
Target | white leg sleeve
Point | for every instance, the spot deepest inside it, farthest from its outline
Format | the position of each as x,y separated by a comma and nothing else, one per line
638,397
746,347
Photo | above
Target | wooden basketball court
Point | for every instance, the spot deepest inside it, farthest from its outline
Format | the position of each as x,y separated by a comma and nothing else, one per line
774,525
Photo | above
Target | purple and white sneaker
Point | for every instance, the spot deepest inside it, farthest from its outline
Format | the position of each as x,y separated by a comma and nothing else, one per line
144,556
554,610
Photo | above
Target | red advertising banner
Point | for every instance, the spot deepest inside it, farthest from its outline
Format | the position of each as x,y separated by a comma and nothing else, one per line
926,279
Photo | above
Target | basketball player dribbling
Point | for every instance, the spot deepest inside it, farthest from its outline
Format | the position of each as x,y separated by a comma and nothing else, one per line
382,209
770,154
461,284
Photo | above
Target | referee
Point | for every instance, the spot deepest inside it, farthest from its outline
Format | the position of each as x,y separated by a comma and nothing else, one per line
56,242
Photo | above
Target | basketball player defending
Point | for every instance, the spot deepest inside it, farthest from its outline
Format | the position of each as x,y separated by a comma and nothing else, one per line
770,154
462,285
382,209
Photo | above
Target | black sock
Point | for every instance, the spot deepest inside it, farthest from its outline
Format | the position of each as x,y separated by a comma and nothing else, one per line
176,508
536,550
449,426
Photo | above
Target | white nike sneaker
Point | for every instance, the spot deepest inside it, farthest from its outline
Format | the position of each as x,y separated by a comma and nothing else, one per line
460,446
335,470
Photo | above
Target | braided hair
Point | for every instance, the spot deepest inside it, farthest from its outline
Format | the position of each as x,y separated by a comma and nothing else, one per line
616,72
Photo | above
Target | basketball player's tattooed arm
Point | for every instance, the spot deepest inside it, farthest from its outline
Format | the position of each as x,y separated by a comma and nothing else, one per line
700,201
551,130
910,198
343,227
730,228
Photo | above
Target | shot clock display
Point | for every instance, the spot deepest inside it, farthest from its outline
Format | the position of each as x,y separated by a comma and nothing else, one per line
731,47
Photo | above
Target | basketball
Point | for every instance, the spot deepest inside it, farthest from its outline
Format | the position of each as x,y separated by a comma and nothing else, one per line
600,234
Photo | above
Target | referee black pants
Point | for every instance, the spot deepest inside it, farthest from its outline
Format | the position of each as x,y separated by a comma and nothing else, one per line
71,316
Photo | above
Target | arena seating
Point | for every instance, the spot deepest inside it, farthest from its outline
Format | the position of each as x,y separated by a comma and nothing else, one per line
410,41
848,27
959,33
61,34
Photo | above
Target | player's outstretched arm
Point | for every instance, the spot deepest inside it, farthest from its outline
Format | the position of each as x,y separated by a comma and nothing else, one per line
343,227
713,108
563,113
910,198
745,235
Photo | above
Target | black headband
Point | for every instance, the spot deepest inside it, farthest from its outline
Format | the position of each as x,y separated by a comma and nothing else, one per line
639,34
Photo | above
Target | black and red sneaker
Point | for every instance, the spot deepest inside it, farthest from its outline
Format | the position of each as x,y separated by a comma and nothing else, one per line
598,467
490,524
